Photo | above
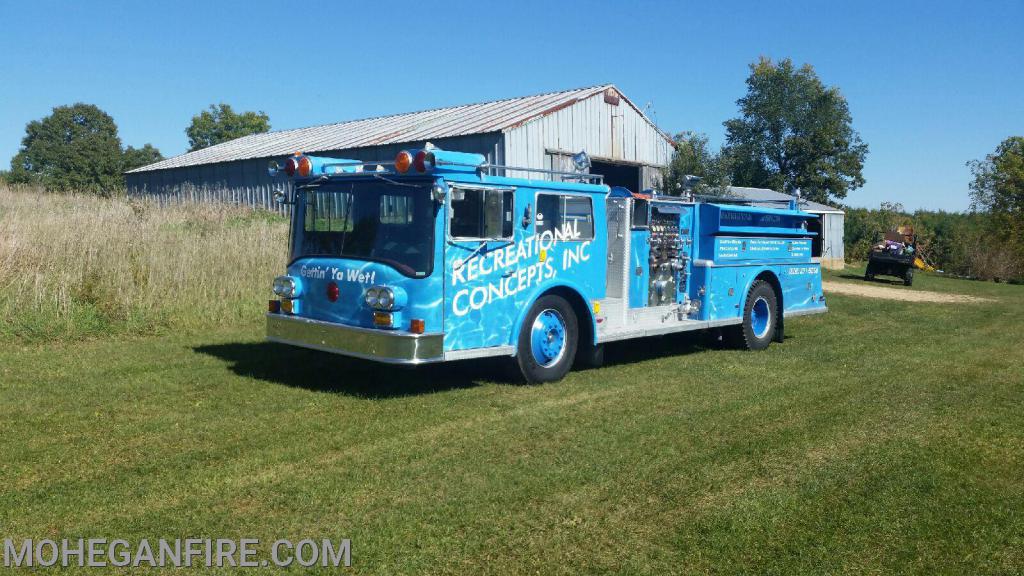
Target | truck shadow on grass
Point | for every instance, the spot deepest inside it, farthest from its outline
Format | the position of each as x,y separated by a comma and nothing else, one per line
324,372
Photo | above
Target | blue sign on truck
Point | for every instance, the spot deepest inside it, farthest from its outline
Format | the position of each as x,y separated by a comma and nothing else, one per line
439,256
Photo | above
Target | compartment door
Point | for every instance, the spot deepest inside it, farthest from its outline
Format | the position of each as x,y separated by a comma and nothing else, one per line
618,247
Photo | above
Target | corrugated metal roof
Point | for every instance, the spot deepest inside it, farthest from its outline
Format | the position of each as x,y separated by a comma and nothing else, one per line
496,116
766,195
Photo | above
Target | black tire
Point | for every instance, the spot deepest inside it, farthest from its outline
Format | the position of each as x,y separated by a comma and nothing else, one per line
908,277
869,272
745,335
533,371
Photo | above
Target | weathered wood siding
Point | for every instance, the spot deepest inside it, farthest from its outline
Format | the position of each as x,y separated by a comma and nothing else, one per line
617,133
247,181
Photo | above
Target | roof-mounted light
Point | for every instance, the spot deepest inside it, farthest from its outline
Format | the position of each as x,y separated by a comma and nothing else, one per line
448,161
305,167
403,161
290,166
424,161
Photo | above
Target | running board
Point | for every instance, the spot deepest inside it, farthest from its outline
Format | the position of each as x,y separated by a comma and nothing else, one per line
683,326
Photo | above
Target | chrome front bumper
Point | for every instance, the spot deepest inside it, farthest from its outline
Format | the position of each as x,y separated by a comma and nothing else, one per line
378,345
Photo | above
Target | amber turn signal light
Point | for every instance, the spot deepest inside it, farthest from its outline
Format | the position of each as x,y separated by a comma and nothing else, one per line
403,161
417,326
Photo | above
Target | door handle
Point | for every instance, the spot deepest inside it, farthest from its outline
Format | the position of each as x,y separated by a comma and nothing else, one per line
510,273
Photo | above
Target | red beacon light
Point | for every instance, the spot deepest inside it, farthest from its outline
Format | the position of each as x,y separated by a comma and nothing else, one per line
290,166
423,161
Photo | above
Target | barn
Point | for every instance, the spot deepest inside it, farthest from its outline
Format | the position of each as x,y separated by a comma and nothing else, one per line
827,246
540,131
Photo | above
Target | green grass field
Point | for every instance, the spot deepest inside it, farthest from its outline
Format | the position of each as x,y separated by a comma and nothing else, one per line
884,437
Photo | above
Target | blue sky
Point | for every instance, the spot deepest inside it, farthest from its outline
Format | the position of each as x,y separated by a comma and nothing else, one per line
931,85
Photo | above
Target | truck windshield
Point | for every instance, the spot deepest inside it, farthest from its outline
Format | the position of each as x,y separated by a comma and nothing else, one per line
380,221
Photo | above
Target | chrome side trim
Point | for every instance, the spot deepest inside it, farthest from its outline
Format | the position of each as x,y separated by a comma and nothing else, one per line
713,264
805,312
480,353
367,343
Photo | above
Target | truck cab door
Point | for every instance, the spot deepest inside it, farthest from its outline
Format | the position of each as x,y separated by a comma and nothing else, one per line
480,239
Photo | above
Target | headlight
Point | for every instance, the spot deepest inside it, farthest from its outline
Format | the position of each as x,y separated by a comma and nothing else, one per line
371,297
385,298
285,286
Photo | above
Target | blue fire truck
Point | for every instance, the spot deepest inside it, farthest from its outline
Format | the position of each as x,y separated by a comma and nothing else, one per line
440,256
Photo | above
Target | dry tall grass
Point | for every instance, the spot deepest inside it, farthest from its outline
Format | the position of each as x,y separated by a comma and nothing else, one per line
80,265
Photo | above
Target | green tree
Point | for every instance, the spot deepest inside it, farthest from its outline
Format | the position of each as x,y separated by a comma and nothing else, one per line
74,148
693,157
220,123
794,133
136,157
998,189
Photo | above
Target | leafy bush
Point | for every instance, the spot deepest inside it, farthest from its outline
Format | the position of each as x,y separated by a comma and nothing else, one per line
957,243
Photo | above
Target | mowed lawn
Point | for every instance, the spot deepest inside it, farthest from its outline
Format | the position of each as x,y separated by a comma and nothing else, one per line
883,437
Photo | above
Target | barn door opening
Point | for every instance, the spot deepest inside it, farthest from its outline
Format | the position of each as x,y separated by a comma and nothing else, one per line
816,226
617,174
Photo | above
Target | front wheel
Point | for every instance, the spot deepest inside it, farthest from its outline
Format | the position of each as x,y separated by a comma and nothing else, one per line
547,340
908,277
760,317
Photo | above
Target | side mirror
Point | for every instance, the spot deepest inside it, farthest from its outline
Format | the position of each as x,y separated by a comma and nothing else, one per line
281,197
438,193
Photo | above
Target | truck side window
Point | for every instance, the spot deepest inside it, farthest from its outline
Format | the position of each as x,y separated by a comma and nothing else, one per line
640,213
481,214
572,213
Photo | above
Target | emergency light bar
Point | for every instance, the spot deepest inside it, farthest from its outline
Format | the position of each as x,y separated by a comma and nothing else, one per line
415,161
424,161
406,162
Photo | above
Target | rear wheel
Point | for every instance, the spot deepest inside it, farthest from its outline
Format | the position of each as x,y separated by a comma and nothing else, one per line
547,340
908,277
760,317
